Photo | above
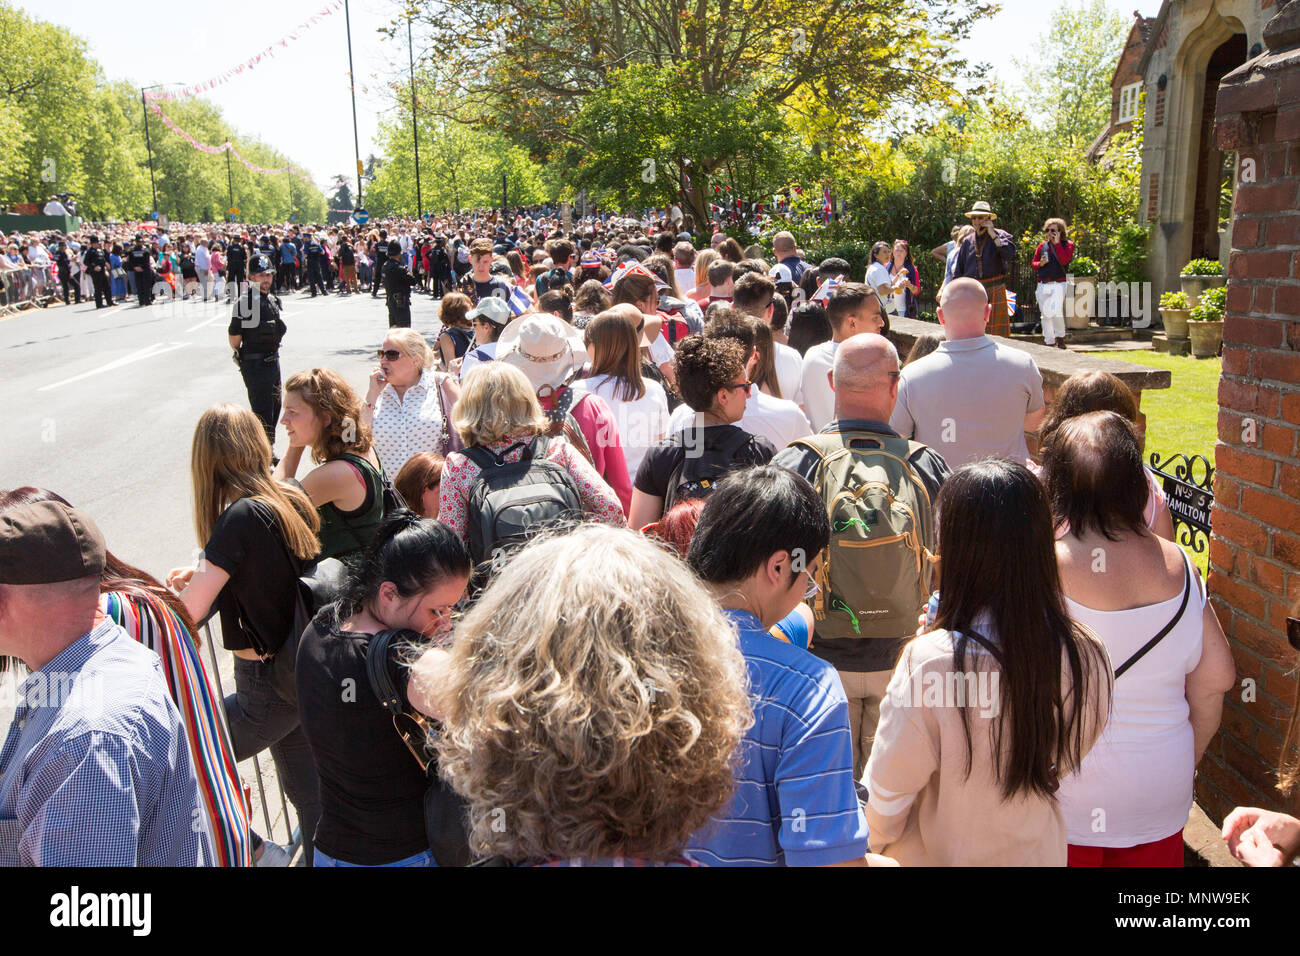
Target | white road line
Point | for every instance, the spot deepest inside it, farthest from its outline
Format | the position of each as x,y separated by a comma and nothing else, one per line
158,348
195,328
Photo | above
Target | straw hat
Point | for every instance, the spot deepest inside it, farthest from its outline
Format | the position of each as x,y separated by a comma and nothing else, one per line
981,208
546,348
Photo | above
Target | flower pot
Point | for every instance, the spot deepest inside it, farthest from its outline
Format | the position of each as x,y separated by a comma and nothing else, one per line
1080,302
1193,286
1175,321
1206,338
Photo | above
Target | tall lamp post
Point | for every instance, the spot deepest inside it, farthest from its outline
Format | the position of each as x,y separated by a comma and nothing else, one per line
415,123
148,144
356,138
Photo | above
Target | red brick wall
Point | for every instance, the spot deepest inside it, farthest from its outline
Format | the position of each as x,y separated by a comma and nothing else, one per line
1255,547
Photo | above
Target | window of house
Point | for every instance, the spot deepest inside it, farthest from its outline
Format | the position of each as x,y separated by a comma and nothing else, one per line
1128,102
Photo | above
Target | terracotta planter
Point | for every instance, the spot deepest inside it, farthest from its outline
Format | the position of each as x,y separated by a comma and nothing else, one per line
1193,286
1206,338
1175,321
1081,302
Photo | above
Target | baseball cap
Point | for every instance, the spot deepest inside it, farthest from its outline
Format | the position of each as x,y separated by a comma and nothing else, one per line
781,274
46,542
494,309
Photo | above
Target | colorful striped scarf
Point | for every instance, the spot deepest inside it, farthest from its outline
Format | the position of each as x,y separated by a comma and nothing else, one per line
156,626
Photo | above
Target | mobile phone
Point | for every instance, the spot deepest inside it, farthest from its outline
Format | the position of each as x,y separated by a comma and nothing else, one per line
931,609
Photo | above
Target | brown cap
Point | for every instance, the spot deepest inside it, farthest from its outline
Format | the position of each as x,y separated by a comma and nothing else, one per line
46,542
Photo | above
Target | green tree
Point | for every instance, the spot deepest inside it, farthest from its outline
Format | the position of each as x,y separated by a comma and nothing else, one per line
1068,78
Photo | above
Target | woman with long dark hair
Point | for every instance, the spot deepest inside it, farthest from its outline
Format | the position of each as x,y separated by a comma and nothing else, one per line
1132,587
258,535
987,712
907,280
157,619
372,782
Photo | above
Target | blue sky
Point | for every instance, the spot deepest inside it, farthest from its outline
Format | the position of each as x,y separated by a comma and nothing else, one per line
188,43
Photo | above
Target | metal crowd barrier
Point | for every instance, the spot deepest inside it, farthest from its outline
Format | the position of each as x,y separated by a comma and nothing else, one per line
28,286
292,838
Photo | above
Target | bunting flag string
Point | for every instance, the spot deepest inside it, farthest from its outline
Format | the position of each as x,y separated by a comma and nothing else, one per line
251,62
227,145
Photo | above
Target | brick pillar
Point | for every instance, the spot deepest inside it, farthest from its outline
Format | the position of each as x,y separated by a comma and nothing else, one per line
1255,547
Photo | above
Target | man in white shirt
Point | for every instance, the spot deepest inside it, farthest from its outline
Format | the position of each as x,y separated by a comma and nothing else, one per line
753,294
55,208
973,397
203,266
684,267
853,309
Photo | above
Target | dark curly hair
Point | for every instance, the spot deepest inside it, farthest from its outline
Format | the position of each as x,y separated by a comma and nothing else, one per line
705,365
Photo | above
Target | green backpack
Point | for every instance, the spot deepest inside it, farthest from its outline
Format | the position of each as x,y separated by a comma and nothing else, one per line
877,571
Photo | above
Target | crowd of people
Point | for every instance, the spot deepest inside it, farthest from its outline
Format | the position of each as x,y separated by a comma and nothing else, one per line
647,555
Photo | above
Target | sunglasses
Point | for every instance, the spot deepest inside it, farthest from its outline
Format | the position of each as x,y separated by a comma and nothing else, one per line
745,385
391,355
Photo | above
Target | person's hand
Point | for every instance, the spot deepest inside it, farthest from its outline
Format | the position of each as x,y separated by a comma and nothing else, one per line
1252,832
179,578
377,383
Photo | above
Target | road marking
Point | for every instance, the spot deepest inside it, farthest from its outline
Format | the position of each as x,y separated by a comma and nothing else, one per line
149,351
195,328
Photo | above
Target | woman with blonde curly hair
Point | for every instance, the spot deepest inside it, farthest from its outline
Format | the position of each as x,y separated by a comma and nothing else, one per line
321,412
598,712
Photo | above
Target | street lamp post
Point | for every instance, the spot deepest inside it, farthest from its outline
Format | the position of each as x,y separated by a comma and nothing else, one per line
148,145
230,183
356,138
415,123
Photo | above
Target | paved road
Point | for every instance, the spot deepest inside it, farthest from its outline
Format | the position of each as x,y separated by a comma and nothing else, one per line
100,405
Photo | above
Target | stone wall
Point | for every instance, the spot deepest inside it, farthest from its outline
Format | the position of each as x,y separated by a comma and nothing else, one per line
1255,547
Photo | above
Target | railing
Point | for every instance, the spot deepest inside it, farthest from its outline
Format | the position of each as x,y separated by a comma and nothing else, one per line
1188,490
292,837
28,286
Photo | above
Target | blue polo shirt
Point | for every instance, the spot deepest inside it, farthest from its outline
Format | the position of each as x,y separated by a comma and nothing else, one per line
795,802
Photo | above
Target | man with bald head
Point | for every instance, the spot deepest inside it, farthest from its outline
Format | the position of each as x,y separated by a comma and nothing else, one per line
864,379
974,397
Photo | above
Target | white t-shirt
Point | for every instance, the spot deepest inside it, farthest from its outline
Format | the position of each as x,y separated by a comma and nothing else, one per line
878,275
55,208
1140,770
789,371
471,360
641,422
818,396
660,351
777,420
685,280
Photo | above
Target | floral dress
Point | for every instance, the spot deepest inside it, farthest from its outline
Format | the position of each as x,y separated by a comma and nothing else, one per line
598,499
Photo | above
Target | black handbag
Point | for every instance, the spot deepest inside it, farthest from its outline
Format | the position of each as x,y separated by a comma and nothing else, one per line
445,812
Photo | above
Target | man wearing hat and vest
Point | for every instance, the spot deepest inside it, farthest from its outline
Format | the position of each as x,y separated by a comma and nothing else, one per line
552,354
255,332
98,266
986,255
397,287
95,770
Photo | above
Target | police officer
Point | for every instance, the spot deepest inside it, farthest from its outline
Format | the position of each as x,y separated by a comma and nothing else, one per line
139,264
98,266
315,260
255,332
397,288
236,263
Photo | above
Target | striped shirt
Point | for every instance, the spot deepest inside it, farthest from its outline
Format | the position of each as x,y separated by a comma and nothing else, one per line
795,801
96,770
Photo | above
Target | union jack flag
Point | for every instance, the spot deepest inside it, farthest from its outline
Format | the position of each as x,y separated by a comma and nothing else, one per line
827,288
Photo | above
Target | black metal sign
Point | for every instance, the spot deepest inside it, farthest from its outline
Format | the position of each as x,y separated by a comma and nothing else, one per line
1187,487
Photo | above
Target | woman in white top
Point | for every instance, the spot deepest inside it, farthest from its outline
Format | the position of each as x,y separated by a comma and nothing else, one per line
1128,802
878,277
639,404
408,405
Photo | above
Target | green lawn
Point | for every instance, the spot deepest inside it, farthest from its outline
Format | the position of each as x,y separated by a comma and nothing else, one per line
1184,417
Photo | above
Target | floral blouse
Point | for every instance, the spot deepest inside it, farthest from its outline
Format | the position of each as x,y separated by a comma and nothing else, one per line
458,474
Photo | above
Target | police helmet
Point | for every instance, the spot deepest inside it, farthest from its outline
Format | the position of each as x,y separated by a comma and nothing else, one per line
259,265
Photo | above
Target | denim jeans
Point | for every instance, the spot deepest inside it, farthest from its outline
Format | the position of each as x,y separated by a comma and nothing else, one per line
420,859
260,718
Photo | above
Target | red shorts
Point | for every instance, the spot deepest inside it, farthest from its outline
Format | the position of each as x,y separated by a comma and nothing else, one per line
1166,852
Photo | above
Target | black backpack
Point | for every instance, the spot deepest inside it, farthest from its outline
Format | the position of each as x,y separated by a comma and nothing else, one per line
511,502
698,471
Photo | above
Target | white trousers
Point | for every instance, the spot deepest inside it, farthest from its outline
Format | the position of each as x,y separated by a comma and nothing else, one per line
1051,305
